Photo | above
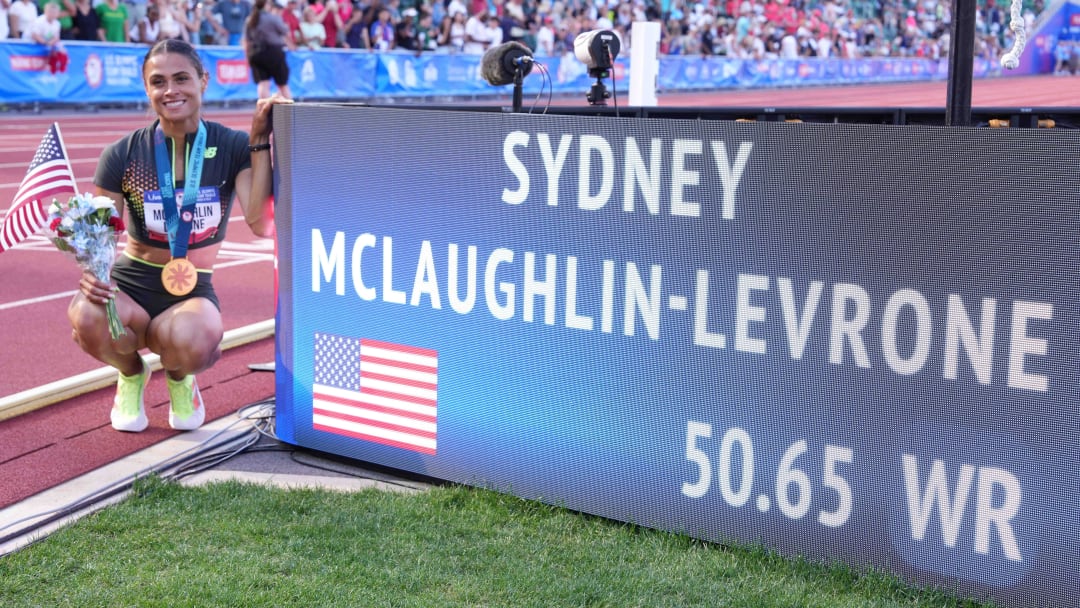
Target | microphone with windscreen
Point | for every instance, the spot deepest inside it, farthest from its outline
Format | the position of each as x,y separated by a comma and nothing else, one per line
501,64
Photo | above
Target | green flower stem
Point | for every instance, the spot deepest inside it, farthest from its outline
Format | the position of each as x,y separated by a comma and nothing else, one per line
116,328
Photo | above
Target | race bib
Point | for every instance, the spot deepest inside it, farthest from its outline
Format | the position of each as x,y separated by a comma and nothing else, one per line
205,217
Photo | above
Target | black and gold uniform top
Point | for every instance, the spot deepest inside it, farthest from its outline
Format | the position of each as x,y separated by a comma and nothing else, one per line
128,167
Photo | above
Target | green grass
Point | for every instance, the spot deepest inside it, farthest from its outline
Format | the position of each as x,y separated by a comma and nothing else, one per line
233,544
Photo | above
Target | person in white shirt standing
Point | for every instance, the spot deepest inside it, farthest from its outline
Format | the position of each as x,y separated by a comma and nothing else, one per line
45,30
477,35
545,39
789,47
21,14
5,28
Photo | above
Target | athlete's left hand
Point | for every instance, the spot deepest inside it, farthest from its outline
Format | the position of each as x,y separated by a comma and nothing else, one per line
261,125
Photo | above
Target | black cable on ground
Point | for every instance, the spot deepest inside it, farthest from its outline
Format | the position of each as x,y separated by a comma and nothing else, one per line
193,457
206,456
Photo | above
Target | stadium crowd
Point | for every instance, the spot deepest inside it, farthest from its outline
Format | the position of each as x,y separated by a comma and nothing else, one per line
749,29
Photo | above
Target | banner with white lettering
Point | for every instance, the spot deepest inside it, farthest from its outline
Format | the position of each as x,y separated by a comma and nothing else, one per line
112,73
849,342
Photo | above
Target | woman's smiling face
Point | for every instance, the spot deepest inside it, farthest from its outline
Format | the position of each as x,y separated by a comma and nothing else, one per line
174,87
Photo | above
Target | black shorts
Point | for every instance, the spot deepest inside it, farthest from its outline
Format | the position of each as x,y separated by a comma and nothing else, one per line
142,282
269,62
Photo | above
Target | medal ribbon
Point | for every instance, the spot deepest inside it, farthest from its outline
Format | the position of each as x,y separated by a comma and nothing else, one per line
178,229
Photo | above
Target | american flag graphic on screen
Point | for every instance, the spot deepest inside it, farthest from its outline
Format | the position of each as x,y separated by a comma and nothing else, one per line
48,177
376,391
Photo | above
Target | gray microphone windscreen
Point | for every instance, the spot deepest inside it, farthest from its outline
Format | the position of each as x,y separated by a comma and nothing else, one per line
496,67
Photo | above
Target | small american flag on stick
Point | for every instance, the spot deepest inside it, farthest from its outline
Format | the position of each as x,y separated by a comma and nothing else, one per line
49,176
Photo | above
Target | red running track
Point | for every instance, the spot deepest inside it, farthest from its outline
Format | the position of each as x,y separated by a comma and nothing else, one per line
46,447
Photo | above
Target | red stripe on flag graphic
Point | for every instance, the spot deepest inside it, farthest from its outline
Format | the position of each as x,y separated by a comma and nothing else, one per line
379,408
374,439
49,176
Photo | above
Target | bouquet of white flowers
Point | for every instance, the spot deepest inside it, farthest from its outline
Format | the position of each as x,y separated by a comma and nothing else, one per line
87,227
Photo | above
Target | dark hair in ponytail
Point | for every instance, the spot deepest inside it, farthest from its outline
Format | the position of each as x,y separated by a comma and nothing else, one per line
179,47
253,19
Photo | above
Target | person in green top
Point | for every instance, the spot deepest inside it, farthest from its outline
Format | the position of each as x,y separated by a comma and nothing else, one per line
114,21
66,8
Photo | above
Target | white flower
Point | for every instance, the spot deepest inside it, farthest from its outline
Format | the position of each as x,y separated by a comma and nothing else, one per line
102,202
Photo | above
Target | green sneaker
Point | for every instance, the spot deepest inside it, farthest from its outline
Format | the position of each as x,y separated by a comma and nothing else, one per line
128,413
186,411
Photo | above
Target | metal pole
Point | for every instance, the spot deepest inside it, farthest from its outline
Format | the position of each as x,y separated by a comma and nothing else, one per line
961,60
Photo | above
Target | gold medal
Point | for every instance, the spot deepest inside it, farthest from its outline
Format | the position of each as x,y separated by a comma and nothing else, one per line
179,276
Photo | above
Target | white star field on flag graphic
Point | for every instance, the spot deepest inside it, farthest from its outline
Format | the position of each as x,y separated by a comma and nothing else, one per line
337,361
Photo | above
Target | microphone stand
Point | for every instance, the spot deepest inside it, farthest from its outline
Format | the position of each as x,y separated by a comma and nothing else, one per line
518,78
598,94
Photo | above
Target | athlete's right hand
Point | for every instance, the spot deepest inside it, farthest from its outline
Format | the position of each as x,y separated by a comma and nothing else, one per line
94,290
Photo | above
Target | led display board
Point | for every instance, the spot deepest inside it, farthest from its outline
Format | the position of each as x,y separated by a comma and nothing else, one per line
848,342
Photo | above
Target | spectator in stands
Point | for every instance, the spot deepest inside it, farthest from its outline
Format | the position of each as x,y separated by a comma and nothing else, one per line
512,21
210,29
84,22
172,19
148,29
771,37
494,32
114,20
334,15
312,32
477,35
437,8
708,40
405,31
5,21
427,36
21,14
807,47
532,28
137,9
452,32
564,38
1063,53
183,326
835,28
870,34
844,44
191,16
291,15
356,28
382,32
456,6
266,37
234,14
752,47
789,46
823,47
545,38
45,30
394,6
66,8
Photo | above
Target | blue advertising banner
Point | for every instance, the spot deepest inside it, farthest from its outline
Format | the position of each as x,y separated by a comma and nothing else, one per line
112,73
849,342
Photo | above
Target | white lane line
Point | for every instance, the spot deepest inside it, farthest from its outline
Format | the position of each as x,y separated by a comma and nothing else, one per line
38,300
